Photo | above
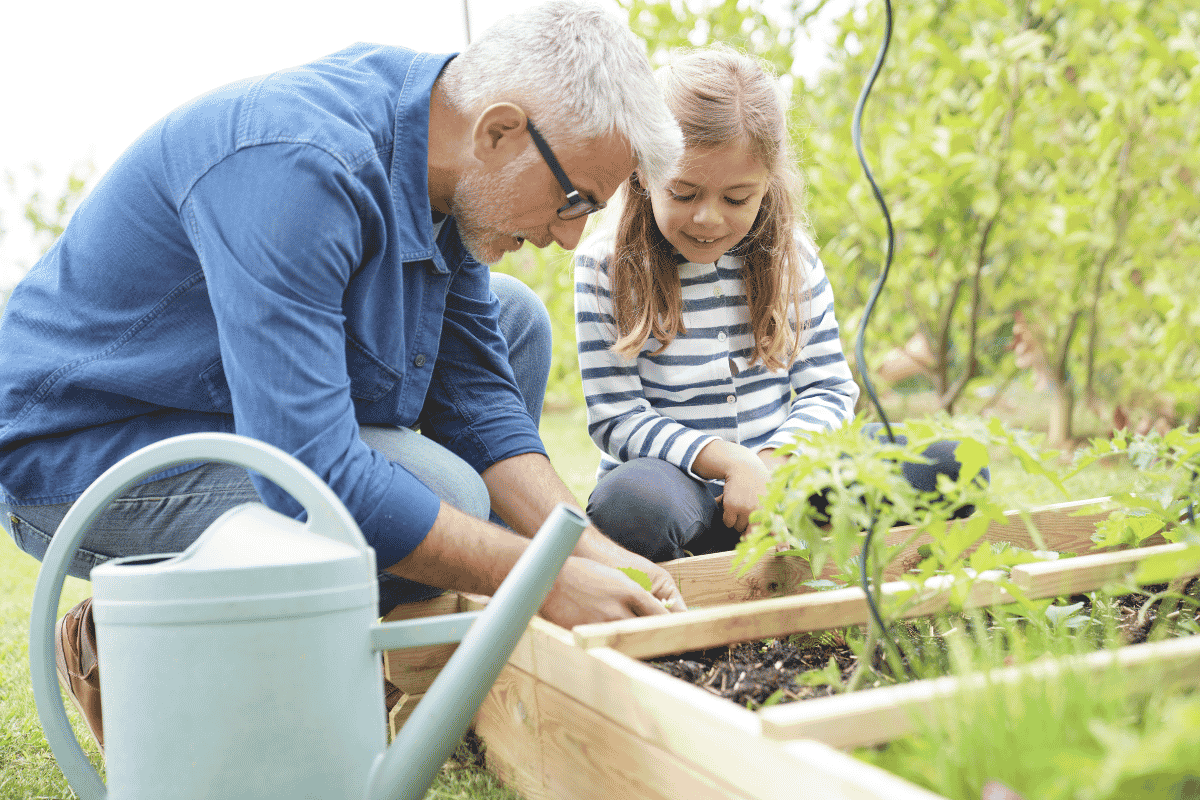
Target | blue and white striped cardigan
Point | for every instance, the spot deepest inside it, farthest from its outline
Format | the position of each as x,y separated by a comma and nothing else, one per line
701,387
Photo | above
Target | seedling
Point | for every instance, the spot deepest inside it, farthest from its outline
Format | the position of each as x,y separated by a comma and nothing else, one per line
840,492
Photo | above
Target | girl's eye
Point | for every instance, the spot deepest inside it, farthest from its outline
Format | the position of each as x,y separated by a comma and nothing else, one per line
733,202
683,198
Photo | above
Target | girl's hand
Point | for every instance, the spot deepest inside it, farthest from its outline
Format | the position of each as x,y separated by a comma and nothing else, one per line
745,483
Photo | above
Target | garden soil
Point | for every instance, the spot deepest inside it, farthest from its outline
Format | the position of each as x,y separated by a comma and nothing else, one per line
749,673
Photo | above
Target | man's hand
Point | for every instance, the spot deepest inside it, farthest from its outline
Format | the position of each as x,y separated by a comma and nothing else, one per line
588,591
662,585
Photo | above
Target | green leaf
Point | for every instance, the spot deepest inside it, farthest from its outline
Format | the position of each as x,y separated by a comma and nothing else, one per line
639,577
1165,567
973,456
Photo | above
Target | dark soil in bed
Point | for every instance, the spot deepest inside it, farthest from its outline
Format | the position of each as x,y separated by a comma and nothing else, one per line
750,672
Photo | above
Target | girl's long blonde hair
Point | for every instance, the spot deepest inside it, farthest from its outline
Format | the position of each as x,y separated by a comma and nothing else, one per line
719,97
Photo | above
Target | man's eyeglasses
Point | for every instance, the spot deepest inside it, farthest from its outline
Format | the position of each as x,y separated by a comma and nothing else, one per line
577,205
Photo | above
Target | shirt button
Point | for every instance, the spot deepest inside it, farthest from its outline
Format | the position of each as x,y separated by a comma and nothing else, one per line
717,291
419,360
721,336
731,399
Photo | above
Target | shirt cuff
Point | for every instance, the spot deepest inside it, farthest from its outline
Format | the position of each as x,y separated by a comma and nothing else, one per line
402,519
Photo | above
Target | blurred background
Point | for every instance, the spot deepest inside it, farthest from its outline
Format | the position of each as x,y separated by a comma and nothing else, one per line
1039,158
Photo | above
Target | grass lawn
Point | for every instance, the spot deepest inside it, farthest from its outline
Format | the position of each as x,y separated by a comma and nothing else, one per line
28,769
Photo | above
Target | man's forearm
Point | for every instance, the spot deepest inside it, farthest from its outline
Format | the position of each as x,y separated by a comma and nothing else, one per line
526,488
463,553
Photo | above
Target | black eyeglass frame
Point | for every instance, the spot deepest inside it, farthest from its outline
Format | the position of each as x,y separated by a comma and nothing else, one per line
577,205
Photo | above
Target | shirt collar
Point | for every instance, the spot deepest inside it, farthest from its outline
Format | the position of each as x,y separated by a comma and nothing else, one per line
410,157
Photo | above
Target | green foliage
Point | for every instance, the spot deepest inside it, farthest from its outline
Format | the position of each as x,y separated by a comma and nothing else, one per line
1070,736
835,486
744,24
1004,135
638,577
862,488
1037,157
1165,492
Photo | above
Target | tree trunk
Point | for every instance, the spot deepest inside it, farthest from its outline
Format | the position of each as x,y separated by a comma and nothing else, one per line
1062,411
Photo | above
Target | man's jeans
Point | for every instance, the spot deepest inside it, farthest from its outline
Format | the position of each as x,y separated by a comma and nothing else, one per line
167,515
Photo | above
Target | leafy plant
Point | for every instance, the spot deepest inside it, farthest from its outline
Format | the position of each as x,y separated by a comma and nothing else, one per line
1166,492
1070,735
840,492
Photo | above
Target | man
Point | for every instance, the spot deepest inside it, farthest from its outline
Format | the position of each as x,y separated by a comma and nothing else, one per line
297,258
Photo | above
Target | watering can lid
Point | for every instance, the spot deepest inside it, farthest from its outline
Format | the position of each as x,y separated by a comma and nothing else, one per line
250,558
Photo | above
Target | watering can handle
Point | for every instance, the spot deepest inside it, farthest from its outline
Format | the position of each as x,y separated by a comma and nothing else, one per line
326,516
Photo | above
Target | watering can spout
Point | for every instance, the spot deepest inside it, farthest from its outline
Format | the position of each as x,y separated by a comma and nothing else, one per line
438,723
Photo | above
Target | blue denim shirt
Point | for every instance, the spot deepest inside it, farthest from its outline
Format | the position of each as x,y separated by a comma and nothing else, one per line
263,261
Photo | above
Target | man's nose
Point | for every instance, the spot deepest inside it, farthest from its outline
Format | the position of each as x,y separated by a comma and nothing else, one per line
568,232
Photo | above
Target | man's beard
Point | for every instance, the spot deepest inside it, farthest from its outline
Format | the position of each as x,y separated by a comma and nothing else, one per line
480,205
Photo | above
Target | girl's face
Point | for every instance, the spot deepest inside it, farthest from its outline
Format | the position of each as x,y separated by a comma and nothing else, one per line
711,203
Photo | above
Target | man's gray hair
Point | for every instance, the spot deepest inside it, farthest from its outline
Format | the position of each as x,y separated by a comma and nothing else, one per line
578,71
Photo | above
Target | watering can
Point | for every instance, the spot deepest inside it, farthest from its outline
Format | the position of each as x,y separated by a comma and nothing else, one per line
248,665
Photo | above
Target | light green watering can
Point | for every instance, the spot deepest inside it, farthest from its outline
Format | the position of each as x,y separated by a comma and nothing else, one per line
248,666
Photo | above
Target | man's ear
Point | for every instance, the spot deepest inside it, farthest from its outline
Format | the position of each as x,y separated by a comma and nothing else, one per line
499,132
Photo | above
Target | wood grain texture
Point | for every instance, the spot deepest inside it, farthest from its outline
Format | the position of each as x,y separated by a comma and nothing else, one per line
510,722
712,579
879,715
1083,573
587,755
648,637
616,728
413,669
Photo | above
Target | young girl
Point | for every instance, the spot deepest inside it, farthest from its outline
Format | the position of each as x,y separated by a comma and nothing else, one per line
706,330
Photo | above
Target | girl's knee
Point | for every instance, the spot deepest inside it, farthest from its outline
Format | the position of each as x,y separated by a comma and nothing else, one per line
652,509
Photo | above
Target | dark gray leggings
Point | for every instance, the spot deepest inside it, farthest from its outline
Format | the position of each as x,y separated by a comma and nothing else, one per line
657,510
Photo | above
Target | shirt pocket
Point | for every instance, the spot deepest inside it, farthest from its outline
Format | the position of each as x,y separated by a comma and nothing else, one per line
370,377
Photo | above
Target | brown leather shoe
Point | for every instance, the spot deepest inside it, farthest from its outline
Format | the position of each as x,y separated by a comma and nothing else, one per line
75,659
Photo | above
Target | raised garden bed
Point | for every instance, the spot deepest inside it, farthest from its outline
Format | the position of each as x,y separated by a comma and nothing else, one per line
579,714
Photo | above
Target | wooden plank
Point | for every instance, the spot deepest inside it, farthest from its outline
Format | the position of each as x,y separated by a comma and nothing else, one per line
1062,527
845,777
725,741
510,723
640,707
659,709
414,668
879,715
448,603
590,757
1083,573
400,712
647,637
712,579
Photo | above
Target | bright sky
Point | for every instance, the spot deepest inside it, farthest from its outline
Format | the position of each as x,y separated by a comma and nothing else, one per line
82,78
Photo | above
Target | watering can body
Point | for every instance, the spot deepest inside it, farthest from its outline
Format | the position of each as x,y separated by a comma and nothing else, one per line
240,668
248,666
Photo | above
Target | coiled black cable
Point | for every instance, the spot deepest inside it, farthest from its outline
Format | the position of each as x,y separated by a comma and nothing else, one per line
856,133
